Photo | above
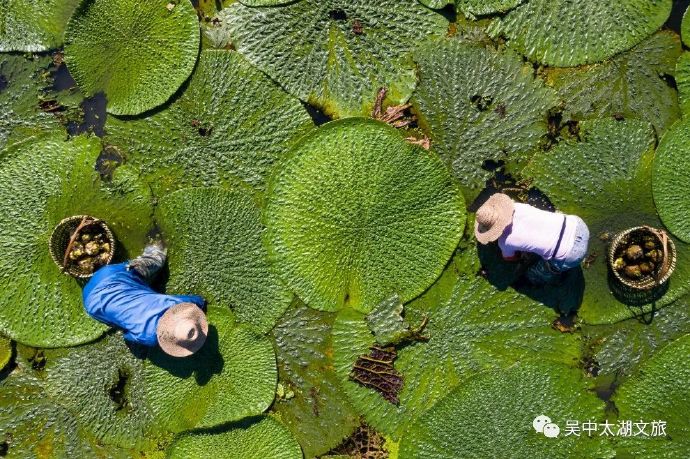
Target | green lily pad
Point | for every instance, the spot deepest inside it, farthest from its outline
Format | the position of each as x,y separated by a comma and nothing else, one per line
685,29
493,413
659,392
265,2
318,414
604,176
233,376
683,82
335,54
34,25
40,426
620,348
137,53
472,8
214,237
478,104
230,122
257,438
562,33
103,384
5,352
472,326
41,306
630,85
671,180
436,4
22,81
355,214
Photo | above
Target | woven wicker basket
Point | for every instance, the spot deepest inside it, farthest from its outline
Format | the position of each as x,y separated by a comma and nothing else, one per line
60,239
661,274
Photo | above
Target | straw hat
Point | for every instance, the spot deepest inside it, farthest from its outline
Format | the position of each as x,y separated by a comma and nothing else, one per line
493,218
182,330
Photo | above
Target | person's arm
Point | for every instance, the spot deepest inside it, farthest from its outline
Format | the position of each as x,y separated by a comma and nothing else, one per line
511,258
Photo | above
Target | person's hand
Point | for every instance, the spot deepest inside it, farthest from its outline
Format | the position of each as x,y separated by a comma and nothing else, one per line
515,258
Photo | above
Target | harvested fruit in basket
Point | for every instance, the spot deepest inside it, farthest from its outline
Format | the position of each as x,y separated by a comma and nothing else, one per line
90,250
639,256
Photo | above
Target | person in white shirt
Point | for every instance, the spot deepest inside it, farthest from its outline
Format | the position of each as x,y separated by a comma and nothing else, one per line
560,240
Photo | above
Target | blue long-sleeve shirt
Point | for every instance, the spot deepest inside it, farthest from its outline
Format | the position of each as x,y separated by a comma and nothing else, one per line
123,299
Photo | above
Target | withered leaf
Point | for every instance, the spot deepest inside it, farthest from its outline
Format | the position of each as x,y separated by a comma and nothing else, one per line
376,372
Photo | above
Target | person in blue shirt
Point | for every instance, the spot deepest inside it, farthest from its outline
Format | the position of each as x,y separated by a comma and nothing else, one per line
119,295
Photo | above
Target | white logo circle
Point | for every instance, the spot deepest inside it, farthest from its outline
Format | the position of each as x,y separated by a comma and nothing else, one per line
539,423
551,430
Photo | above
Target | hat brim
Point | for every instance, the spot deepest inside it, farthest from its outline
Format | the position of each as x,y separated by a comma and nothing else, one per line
504,208
167,322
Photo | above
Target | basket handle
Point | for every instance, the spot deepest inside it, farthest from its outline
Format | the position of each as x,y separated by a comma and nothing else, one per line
86,221
661,234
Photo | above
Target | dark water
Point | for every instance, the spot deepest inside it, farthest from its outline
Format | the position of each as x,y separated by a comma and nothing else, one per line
679,7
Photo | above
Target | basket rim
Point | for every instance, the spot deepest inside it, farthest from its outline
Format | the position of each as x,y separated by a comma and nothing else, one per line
649,283
96,221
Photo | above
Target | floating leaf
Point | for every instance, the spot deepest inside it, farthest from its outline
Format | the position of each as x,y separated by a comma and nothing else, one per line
620,348
257,438
335,54
21,83
216,251
671,180
34,25
376,371
605,178
355,214
478,104
41,306
137,52
683,82
436,4
318,415
685,29
35,425
387,323
630,85
230,122
471,8
233,376
5,352
265,2
563,33
493,413
103,384
472,327
659,392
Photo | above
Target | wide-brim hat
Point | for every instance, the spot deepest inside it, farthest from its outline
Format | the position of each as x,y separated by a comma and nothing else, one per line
182,330
493,218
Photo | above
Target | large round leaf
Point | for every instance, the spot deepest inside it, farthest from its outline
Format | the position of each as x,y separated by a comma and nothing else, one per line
659,392
5,352
355,214
471,8
335,54
564,33
21,83
683,82
472,326
478,104
604,176
254,439
42,182
620,348
631,85
491,416
230,122
103,384
265,2
40,426
318,413
685,28
216,251
137,52
671,180
233,376
34,25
